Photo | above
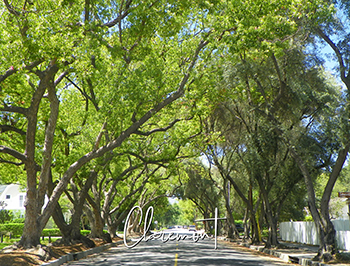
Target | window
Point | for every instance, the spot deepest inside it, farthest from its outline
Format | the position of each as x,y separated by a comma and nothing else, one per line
21,201
8,196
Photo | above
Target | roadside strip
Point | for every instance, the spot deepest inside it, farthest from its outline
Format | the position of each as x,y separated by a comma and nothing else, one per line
82,254
298,255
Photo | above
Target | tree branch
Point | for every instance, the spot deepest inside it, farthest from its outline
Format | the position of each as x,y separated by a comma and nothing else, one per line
138,132
11,9
48,144
13,153
4,128
10,162
337,53
15,109
282,82
121,16
12,71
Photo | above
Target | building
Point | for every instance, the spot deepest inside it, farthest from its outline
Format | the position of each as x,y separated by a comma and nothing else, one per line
12,197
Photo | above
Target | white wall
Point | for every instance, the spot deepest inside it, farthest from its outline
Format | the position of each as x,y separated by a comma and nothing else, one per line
305,232
13,198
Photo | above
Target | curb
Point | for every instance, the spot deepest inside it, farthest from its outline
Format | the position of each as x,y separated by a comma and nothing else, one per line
285,257
80,255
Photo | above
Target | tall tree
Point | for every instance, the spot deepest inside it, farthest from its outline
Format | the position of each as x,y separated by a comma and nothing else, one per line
129,60
334,32
89,53
265,101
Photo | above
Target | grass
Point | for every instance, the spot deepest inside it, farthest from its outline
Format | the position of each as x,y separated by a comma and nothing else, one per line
2,245
8,242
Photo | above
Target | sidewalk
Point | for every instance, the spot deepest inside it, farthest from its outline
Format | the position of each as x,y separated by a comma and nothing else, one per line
298,253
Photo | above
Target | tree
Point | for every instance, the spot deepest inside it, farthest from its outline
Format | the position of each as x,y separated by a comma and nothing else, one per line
263,119
45,68
324,29
166,214
128,68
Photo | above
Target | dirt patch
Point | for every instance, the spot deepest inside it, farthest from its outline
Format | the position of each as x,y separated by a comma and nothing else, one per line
22,257
342,259
237,246
19,258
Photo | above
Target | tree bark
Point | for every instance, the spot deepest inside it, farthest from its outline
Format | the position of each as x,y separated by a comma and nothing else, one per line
272,239
34,197
232,230
322,220
71,232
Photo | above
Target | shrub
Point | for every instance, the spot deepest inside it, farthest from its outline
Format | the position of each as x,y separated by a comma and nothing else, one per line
85,232
18,220
309,218
5,216
51,232
15,229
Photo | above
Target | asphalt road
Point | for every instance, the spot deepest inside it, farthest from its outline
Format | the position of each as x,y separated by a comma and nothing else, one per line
178,253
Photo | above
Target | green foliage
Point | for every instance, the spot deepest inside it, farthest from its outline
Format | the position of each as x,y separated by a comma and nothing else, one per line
136,67
308,218
187,212
85,232
5,216
11,216
51,232
165,213
15,229
18,220
237,221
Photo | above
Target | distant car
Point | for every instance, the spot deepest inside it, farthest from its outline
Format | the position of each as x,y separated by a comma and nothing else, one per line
239,228
192,228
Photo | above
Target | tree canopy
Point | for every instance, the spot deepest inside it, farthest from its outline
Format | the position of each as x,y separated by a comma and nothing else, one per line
109,103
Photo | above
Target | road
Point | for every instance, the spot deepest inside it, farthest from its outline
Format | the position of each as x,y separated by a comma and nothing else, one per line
155,253
178,253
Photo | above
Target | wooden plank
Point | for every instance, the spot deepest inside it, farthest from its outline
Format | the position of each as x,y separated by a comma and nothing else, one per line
344,194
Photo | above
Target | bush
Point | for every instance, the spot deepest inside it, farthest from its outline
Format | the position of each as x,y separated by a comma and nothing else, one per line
51,232
18,220
85,232
15,229
308,218
5,216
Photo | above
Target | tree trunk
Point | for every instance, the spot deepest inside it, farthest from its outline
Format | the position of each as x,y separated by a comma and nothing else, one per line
327,241
322,221
114,223
35,196
98,225
255,229
30,238
272,239
232,230
246,225
71,232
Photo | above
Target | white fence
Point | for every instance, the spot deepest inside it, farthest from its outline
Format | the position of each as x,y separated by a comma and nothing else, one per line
305,232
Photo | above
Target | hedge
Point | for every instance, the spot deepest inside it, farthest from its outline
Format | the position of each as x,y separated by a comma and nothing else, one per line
84,232
51,232
15,229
